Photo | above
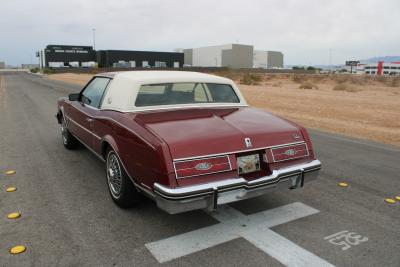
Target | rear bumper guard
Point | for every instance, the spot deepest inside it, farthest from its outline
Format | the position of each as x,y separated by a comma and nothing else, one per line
210,195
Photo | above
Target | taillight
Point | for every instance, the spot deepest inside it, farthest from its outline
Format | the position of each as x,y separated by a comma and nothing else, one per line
196,167
289,152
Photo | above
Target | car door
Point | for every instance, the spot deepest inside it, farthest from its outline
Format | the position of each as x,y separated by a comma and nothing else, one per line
84,111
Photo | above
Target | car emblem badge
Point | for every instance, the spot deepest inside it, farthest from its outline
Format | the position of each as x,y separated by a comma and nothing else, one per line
203,166
290,152
247,141
296,136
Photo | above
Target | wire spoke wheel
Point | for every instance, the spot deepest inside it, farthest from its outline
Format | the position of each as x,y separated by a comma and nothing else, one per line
64,132
114,175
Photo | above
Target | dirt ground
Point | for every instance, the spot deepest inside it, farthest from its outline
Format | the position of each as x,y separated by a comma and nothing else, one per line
354,105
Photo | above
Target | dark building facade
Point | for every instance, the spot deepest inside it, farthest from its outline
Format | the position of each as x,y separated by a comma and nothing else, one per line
107,58
63,55
56,56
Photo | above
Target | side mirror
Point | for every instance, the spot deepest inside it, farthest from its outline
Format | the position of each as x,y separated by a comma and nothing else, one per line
73,97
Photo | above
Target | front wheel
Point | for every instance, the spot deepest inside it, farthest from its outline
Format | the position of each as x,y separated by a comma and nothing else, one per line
69,141
121,188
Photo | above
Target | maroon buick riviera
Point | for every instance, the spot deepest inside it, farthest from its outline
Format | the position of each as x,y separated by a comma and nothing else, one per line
187,140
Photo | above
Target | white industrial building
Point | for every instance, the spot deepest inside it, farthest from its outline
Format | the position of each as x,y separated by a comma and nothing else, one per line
380,68
234,56
267,59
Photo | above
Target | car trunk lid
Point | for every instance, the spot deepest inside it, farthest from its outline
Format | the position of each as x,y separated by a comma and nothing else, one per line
201,132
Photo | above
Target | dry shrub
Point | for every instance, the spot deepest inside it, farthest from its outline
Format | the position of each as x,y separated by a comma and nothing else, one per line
345,87
284,76
298,78
308,85
256,77
380,79
350,79
228,74
393,81
268,77
339,78
251,79
277,84
316,78
359,79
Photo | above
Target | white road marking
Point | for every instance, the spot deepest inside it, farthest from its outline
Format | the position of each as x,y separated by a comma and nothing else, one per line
345,239
254,228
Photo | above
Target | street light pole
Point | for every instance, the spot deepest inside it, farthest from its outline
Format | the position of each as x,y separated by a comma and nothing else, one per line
94,38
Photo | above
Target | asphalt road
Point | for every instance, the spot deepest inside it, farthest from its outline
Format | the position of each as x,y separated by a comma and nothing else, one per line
68,218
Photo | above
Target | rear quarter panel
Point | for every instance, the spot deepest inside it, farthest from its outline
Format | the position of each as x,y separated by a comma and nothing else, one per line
146,158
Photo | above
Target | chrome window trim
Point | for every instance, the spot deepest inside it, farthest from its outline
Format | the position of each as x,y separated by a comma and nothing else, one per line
186,104
103,94
89,106
196,175
273,157
238,151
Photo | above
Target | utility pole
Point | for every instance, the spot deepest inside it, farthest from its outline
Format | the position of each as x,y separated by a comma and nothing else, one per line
38,57
94,38
41,59
330,60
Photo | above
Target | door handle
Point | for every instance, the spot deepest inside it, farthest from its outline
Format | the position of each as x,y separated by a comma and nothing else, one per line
89,119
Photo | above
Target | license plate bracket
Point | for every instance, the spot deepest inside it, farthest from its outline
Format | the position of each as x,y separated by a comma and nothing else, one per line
248,164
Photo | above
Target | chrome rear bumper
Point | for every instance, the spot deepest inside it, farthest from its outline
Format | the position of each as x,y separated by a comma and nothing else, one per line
210,195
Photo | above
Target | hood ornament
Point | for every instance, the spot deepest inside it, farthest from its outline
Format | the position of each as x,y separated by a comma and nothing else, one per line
247,141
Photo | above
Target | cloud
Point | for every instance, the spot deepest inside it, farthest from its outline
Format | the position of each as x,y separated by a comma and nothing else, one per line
303,30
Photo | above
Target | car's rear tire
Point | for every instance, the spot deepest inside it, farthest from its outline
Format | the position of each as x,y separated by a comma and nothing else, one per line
69,141
120,186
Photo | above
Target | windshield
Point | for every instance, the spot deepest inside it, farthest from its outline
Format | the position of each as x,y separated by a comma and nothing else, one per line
185,93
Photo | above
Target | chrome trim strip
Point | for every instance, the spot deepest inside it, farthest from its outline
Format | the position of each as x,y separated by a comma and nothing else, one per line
229,161
147,190
95,135
89,148
117,122
234,183
89,106
218,105
196,189
237,151
273,157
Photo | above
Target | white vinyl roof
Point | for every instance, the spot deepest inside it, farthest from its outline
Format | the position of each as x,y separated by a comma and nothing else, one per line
124,86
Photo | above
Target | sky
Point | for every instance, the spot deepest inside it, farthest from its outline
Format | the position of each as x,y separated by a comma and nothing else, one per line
305,31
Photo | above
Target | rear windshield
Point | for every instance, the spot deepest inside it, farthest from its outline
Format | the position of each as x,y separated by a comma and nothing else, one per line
185,93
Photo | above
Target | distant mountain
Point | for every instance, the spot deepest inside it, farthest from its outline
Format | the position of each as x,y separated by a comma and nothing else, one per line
387,59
